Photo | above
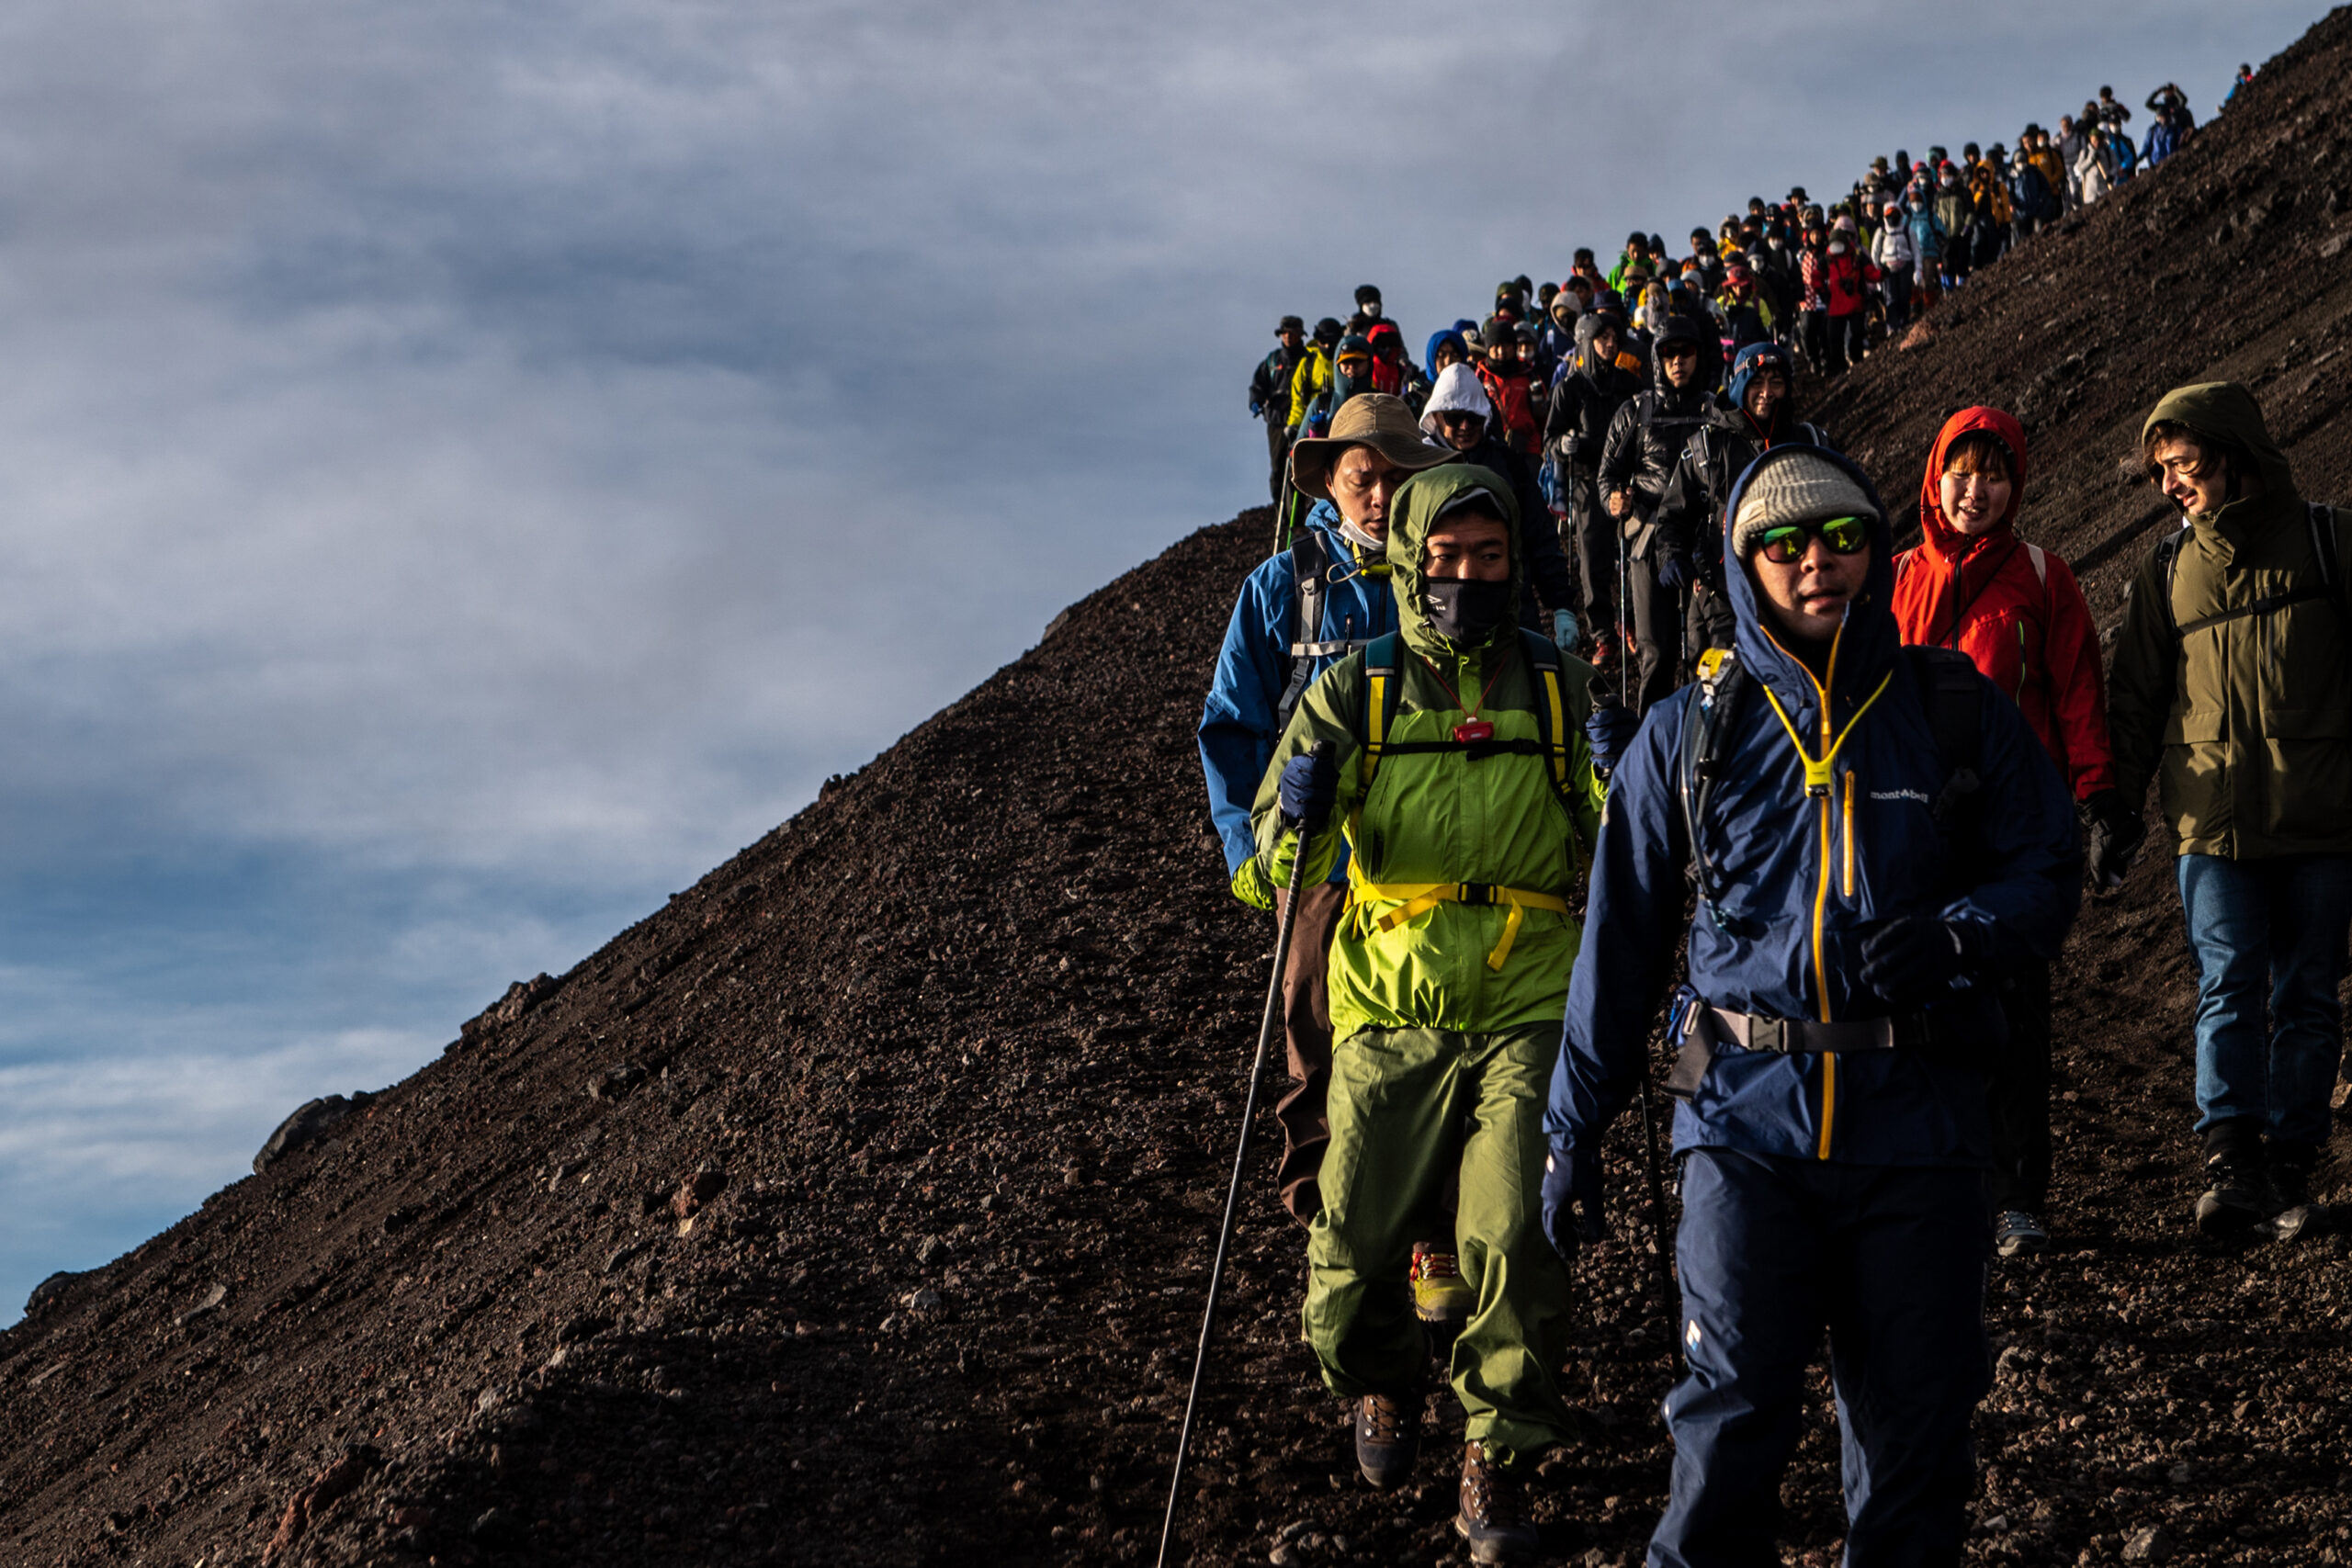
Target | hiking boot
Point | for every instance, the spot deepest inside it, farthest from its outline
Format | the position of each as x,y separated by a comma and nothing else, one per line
2293,1168
2238,1194
1494,1518
2019,1233
1388,1438
1442,1297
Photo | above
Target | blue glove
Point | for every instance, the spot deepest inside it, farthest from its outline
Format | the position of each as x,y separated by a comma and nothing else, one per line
1609,733
1674,572
1309,786
1569,1184
1564,629
1912,960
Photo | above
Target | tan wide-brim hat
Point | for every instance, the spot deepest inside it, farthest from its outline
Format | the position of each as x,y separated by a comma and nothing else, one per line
1381,421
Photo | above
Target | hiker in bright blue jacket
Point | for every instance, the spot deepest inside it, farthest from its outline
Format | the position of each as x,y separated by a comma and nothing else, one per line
1266,666
1839,1004
1447,347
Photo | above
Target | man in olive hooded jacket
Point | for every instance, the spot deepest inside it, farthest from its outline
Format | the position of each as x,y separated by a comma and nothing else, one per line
2233,690
1461,778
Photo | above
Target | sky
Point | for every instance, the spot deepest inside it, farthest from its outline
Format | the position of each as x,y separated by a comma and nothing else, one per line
466,469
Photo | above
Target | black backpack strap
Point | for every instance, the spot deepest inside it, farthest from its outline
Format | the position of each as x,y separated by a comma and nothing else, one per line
2167,558
1953,693
1705,722
2322,520
1310,561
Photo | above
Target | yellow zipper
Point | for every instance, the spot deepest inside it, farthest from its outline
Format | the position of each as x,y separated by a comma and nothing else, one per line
1850,835
1820,782
1828,1101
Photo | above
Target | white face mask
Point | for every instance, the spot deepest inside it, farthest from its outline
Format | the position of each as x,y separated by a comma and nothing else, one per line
1837,247
1373,550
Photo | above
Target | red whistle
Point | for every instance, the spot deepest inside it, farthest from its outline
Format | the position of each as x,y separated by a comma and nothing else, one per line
1477,730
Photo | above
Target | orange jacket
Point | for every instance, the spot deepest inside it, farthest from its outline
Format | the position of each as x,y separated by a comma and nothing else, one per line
2012,607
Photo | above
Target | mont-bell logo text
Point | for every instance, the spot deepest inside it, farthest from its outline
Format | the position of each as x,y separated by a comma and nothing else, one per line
1913,794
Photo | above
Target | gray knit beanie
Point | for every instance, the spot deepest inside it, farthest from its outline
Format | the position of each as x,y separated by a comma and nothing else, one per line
1803,487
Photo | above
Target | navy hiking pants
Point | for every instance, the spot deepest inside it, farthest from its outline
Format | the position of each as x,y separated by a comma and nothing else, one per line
1890,1261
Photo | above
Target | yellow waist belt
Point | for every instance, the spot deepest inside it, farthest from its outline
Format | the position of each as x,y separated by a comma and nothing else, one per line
1418,899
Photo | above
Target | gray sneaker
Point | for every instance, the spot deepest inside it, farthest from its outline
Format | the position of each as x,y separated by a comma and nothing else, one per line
2019,1233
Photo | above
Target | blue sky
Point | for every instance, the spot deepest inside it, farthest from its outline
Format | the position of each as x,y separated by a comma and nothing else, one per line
468,467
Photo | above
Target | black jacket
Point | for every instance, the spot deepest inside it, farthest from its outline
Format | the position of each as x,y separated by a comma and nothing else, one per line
1270,385
1584,398
1647,437
1690,515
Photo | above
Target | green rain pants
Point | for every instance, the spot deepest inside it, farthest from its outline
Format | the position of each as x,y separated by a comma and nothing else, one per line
1400,1100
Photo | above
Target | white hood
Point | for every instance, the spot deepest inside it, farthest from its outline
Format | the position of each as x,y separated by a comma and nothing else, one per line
1458,390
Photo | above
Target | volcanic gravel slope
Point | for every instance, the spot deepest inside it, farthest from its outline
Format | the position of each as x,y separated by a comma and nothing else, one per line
856,1205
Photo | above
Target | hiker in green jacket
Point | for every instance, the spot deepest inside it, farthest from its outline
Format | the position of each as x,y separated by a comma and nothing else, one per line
1462,780
2232,690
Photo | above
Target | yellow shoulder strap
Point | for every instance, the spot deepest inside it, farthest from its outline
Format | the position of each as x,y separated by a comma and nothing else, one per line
1375,723
1552,695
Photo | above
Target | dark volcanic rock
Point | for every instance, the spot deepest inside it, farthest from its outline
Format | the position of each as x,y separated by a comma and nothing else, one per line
312,1120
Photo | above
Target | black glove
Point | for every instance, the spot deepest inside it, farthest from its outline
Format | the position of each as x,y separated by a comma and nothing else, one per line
1570,1184
1674,572
1912,960
1609,731
2116,831
1310,783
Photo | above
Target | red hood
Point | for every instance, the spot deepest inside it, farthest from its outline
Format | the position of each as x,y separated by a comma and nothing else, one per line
1945,543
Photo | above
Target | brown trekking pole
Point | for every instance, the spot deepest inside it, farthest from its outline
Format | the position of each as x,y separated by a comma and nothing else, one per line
1320,749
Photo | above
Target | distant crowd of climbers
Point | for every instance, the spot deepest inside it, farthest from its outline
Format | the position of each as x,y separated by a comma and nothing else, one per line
1830,283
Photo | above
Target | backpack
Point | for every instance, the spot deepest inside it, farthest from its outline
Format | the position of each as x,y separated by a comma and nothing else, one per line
1514,400
1311,563
1383,666
2322,526
1949,688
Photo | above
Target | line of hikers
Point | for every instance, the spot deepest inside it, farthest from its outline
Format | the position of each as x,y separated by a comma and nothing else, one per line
1859,790
1830,284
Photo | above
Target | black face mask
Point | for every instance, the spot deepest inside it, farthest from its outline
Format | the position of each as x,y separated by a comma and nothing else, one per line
1465,610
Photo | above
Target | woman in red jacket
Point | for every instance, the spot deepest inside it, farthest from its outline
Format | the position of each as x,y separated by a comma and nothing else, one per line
1848,272
2015,609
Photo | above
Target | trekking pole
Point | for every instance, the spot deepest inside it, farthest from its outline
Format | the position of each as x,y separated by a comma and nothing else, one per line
1625,614
1657,1230
1321,749
1658,1210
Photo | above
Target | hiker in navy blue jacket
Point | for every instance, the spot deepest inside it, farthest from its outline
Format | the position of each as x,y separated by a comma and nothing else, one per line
1840,1008
1266,666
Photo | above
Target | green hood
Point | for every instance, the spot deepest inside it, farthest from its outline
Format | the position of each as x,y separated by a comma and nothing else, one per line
1419,501
2225,412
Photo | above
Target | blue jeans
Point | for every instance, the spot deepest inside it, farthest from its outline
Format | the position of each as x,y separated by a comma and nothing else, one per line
1890,1259
2277,926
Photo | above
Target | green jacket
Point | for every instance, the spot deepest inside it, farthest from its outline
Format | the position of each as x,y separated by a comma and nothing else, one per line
2245,726
1438,818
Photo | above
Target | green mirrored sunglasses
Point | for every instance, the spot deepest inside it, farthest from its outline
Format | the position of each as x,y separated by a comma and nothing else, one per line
1789,542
